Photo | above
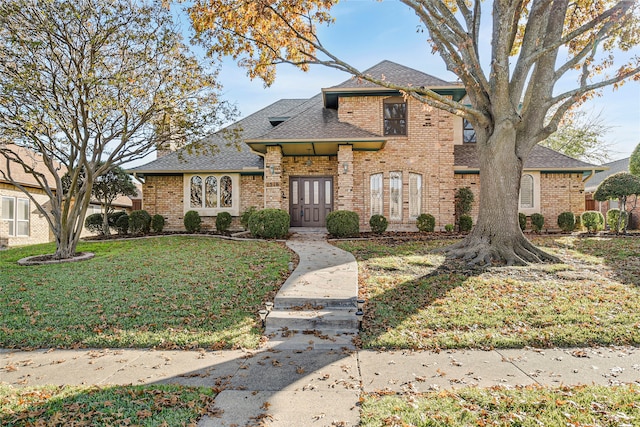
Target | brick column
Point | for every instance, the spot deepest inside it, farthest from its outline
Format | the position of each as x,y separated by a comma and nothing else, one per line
273,181
345,178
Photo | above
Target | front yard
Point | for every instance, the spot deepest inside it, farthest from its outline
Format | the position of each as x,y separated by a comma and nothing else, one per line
418,300
168,292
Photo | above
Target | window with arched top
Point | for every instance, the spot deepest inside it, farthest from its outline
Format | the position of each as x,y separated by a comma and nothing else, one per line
415,195
376,192
527,200
210,194
395,195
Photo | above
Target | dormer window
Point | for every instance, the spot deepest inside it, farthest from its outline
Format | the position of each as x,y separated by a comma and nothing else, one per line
468,132
395,116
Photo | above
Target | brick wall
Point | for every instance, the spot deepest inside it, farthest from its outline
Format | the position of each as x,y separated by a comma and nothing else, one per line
560,192
427,149
39,231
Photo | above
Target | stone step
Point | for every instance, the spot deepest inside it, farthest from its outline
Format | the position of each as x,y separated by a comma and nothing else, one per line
324,321
314,303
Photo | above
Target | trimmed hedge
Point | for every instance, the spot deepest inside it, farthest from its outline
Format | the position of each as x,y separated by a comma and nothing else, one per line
246,215
567,221
122,224
537,222
269,223
378,224
522,220
426,223
113,217
192,221
343,224
93,223
466,223
612,220
139,222
157,223
223,221
592,221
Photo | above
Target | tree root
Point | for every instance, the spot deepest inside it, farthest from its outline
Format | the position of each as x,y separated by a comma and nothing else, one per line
484,252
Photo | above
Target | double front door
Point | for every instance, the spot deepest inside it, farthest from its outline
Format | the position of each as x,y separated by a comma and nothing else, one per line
311,199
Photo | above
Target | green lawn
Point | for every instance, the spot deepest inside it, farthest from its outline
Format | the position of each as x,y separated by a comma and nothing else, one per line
417,299
166,292
104,406
527,407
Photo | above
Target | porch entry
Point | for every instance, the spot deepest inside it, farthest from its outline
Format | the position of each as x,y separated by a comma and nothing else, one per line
311,199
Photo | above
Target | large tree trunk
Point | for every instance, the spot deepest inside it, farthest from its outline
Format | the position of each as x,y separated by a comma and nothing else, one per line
497,237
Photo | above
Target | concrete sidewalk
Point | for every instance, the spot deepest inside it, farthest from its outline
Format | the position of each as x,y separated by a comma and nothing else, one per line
311,387
307,378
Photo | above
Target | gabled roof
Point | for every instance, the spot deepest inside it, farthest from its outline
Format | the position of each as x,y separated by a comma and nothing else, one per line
226,155
617,166
32,159
541,158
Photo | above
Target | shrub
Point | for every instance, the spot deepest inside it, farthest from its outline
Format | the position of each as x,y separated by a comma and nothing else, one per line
343,224
244,218
537,222
567,221
522,219
223,221
93,223
112,218
269,223
192,221
122,224
592,221
448,228
157,223
463,203
378,224
466,223
139,222
612,219
426,223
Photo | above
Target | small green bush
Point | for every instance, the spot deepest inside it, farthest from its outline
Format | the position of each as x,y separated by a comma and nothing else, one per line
157,223
93,223
223,221
192,221
567,221
378,224
426,223
122,224
139,222
244,218
537,222
612,220
466,223
592,221
448,228
522,219
343,224
112,219
269,223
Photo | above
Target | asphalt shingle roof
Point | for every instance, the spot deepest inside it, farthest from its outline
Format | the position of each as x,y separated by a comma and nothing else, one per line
396,73
227,155
621,165
540,158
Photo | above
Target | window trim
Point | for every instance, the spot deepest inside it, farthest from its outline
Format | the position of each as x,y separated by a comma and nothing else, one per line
15,221
400,101
535,182
234,209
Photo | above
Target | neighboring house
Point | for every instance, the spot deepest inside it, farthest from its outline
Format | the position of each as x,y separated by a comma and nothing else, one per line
621,165
355,146
21,223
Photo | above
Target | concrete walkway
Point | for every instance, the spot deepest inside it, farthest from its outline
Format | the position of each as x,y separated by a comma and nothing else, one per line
307,378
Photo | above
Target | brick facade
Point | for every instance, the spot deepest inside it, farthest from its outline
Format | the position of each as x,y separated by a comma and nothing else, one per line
39,231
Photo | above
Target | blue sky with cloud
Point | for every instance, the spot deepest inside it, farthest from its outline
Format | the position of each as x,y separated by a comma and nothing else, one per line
367,32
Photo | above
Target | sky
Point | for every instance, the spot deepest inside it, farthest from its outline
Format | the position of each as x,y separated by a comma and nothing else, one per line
367,32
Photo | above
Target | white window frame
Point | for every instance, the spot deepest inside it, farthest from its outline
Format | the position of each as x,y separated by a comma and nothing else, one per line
234,210
415,195
535,181
14,220
376,193
395,189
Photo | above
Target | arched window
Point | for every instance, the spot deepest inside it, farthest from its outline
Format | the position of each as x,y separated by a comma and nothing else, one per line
196,192
526,192
226,192
395,195
212,194
415,195
211,191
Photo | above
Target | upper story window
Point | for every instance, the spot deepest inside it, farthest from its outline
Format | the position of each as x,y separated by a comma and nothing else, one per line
210,194
468,132
15,212
395,116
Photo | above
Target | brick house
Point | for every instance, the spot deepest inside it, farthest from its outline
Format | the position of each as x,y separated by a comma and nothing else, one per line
355,146
21,223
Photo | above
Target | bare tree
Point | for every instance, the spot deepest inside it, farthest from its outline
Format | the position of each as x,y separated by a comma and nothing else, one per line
509,100
93,84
